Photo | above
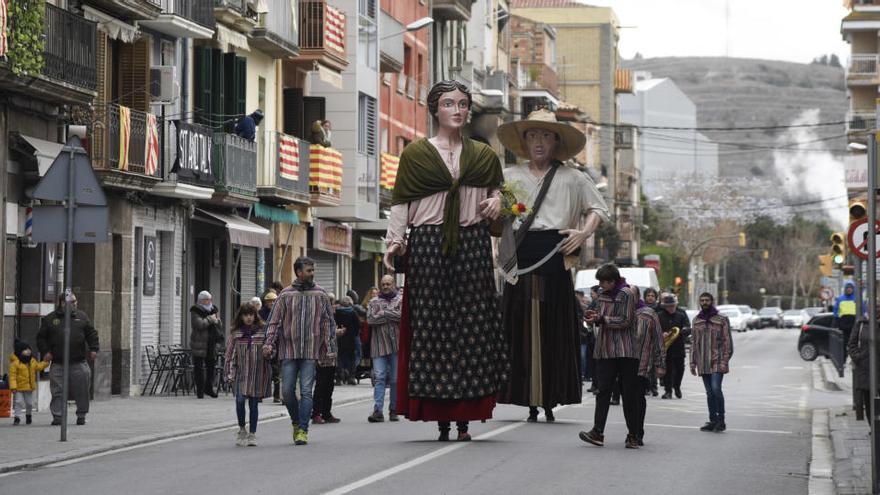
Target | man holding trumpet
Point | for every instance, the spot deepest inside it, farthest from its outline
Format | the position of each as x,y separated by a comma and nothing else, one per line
671,317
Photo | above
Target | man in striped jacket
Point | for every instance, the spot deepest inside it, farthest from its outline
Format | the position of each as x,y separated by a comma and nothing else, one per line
383,316
711,349
303,330
615,353
652,357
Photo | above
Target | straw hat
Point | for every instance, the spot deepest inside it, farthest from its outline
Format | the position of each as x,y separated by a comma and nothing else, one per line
571,140
270,296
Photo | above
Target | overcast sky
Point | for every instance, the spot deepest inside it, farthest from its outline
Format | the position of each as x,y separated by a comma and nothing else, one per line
792,30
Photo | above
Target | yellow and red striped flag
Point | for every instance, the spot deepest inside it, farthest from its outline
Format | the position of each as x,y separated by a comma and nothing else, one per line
288,156
124,136
325,168
151,164
388,175
334,28
4,20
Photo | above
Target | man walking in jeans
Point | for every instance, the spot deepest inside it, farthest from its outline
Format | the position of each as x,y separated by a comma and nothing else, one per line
303,330
383,316
711,350
615,354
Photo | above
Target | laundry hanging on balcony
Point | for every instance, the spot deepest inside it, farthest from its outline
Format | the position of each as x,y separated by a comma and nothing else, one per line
288,157
325,169
388,175
4,18
151,164
124,136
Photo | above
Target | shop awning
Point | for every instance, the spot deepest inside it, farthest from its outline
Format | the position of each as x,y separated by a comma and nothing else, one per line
276,214
115,29
224,35
327,75
372,245
44,151
241,231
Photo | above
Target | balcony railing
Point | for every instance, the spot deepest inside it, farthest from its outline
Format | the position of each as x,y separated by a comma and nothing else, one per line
859,121
453,10
70,48
325,176
198,11
862,65
540,76
275,33
322,35
284,175
236,14
235,165
127,140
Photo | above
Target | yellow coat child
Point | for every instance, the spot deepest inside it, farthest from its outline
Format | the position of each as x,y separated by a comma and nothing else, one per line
23,369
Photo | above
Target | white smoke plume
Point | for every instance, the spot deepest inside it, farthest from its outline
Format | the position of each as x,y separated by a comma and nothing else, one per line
808,175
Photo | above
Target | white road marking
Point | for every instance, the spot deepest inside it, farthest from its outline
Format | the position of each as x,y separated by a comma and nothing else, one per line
423,459
792,367
745,430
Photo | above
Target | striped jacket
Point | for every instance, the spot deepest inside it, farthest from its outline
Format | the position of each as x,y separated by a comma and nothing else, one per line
302,324
649,341
384,319
711,345
245,366
615,337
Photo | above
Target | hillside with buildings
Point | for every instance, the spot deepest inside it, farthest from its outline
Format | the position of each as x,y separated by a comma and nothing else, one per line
731,92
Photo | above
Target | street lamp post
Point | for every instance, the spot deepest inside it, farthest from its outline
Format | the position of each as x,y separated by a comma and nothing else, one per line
413,26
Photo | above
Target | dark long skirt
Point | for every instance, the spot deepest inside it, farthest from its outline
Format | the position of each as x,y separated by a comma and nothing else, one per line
541,327
452,359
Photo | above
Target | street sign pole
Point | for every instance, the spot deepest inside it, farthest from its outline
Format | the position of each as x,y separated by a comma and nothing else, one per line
872,305
68,290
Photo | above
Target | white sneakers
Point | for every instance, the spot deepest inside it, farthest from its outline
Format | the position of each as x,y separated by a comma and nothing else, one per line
251,440
241,438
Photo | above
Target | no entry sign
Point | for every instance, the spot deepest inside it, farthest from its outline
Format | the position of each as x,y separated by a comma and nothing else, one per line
857,237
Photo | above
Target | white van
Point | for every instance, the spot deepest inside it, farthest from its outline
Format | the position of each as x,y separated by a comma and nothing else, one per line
639,276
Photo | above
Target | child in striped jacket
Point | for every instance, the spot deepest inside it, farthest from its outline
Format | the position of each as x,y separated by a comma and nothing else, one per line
249,373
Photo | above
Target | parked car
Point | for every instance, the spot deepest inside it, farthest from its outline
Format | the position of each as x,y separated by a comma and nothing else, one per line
794,318
738,321
771,316
753,320
813,311
814,339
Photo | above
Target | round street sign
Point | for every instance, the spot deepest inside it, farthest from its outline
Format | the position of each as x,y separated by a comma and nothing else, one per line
857,238
826,294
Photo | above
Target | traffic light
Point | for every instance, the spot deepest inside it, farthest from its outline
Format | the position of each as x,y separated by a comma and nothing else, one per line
677,289
742,239
765,254
838,248
826,264
857,210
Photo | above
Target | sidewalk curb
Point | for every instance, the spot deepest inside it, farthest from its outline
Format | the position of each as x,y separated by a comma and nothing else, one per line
821,380
821,480
31,464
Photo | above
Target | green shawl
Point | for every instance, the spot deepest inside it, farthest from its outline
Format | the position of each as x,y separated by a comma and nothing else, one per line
422,172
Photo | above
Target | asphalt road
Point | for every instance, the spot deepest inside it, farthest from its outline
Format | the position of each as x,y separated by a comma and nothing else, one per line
765,449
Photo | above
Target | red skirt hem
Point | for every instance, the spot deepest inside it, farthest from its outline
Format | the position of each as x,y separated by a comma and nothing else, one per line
418,409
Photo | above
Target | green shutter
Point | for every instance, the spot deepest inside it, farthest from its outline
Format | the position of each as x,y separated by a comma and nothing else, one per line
241,85
218,72
203,85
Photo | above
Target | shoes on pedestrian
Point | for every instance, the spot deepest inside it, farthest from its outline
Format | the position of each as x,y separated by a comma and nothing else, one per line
444,435
631,442
16,421
80,421
56,421
548,415
615,402
593,437
376,417
641,443
302,438
200,395
463,436
392,416
351,381
720,426
276,400
678,393
241,437
666,395
251,440
317,420
211,393
295,431
592,390
709,426
28,419
654,393
533,415
332,419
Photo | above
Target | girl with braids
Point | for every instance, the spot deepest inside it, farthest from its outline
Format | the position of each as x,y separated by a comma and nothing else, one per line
452,356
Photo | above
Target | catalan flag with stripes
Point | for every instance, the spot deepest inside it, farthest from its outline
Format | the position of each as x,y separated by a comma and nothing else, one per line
388,175
151,164
288,156
124,136
334,28
325,170
4,20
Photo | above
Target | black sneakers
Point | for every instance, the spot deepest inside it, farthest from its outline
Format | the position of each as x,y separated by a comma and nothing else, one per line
592,437
80,421
709,426
667,395
720,426
631,442
376,417
548,415
16,421
28,419
678,393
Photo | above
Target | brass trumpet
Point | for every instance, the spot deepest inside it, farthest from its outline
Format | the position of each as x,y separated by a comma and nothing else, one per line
674,333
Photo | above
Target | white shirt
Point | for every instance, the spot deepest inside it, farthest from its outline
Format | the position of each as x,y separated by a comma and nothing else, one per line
571,197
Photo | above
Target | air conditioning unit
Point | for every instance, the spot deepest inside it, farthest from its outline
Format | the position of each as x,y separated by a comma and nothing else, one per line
163,84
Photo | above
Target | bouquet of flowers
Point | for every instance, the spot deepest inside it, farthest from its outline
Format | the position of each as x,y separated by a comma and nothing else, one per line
511,207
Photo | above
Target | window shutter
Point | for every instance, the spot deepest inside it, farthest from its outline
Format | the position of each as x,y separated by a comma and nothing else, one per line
293,112
371,126
241,85
135,74
102,67
203,85
313,109
218,83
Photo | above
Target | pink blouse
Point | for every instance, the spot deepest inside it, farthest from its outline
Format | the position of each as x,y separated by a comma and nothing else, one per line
429,211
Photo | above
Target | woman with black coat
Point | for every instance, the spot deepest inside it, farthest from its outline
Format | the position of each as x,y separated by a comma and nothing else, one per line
207,333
